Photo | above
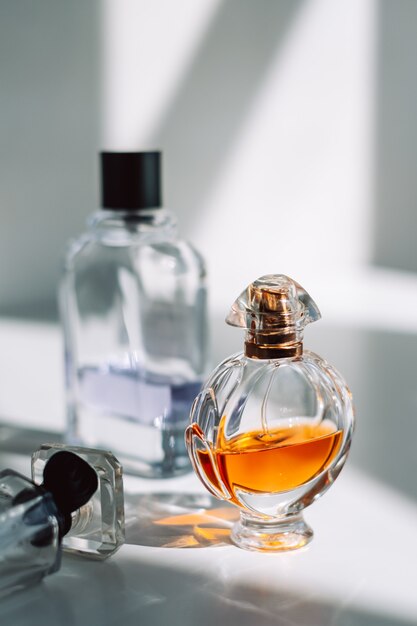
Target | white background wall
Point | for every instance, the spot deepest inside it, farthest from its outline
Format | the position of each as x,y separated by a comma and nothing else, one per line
287,129
266,121
49,135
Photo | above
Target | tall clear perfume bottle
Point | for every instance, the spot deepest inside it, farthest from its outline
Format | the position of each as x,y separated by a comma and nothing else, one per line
36,519
133,308
272,428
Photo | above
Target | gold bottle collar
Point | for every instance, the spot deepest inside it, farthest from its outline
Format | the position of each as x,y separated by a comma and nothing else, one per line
274,309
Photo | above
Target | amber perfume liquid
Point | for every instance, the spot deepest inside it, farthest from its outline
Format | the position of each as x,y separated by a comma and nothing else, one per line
273,461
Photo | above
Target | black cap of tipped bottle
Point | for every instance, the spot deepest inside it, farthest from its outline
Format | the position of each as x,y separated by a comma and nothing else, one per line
71,481
131,180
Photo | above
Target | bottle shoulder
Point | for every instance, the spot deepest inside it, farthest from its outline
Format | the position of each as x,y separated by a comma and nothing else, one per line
124,229
138,248
309,367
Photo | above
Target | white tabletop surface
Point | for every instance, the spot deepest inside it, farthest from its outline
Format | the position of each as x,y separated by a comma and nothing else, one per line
179,567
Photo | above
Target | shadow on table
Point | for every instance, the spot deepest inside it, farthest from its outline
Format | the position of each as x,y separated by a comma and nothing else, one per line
132,592
21,440
380,368
178,520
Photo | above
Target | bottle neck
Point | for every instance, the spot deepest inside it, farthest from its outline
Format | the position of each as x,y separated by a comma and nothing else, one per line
281,344
126,223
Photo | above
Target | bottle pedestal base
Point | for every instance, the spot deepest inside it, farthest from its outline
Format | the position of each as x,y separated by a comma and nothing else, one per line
277,535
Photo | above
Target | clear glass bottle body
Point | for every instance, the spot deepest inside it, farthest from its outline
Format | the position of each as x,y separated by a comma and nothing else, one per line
29,533
271,436
133,307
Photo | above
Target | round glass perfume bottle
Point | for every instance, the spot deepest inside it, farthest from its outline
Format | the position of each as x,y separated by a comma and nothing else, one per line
271,430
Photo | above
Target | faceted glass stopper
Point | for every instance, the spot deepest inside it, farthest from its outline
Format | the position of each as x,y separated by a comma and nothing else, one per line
97,528
274,309
272,302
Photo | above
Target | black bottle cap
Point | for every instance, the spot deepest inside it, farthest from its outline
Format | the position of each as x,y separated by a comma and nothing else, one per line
131,180
71,481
